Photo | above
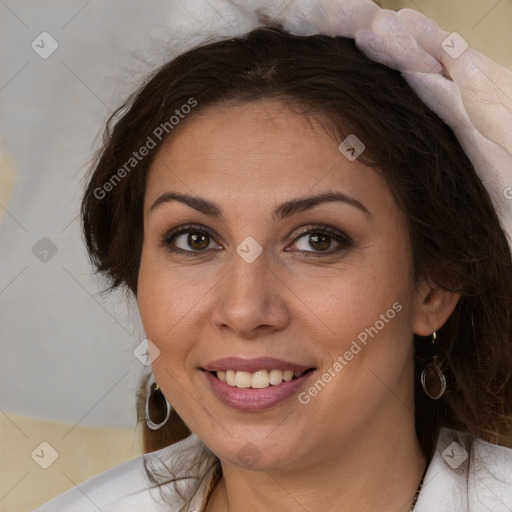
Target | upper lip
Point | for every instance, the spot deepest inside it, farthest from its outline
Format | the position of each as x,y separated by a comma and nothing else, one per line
253,364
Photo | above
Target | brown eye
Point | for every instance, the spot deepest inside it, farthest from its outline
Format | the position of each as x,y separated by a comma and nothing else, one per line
198,241
321,240
188,240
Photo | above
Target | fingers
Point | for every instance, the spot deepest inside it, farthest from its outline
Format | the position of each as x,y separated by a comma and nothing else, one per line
398,51
424,30
379,33
443,97
402,49
440,95
485,86
347,17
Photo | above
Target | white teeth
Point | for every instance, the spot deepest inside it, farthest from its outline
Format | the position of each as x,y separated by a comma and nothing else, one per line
287,375
260,379
230,377
257,380
243,380
276,377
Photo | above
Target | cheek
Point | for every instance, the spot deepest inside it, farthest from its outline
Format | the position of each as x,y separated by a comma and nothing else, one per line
164,295
157,302
364,321
366,347
367,313
169,301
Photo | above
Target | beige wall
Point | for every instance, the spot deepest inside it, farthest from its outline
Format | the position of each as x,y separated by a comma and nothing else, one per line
81,452
485,24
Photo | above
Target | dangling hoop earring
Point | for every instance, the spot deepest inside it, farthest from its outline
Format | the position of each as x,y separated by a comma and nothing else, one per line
158,408
432,377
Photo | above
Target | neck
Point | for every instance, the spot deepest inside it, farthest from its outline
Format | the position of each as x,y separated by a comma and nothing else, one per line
378,469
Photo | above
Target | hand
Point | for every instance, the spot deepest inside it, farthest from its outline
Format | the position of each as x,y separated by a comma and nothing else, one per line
470,92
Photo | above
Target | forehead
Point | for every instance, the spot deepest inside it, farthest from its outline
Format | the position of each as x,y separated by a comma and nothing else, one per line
256,150
262,129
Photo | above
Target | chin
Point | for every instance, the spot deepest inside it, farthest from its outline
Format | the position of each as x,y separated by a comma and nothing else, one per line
259,454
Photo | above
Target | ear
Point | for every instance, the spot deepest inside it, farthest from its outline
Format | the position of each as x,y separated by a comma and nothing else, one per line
433,306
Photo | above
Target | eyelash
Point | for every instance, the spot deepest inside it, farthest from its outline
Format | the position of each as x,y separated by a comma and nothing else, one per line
341,238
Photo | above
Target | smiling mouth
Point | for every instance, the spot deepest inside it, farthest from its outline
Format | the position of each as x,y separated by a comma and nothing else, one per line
260,379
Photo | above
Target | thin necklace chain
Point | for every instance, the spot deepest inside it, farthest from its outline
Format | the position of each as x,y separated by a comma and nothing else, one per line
415,499
418,490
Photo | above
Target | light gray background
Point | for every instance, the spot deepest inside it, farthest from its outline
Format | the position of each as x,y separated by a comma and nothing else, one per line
67,352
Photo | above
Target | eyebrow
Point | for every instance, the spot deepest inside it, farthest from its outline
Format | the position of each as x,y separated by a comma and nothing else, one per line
283,211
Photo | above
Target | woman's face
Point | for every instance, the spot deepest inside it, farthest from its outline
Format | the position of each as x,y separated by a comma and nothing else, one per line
257,276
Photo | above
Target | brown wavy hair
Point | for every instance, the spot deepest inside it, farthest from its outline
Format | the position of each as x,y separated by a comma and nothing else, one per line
457,241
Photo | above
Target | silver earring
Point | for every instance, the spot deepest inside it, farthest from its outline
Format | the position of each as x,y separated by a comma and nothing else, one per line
432,377
158,408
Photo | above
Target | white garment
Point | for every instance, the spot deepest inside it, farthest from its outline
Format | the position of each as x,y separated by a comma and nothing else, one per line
454,482
126,488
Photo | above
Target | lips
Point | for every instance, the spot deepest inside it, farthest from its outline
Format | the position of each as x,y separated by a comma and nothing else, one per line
254,365
255,384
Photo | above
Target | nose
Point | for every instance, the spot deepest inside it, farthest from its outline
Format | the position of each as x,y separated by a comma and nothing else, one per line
251,299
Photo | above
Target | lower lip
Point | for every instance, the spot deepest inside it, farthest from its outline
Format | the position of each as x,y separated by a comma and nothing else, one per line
250,399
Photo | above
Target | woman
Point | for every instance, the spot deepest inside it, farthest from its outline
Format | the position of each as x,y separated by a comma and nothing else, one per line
324,282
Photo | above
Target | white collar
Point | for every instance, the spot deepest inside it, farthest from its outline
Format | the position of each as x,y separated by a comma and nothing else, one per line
482,482
464,479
